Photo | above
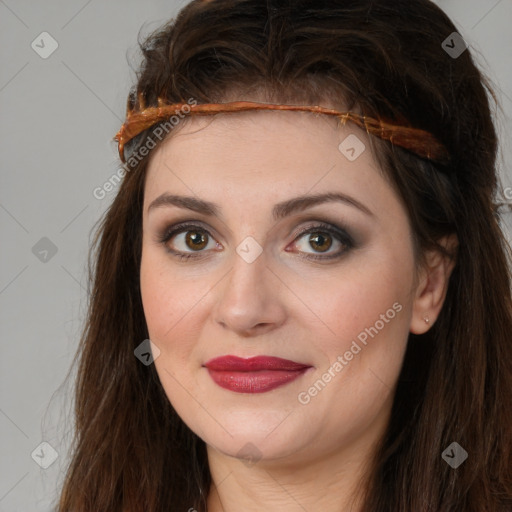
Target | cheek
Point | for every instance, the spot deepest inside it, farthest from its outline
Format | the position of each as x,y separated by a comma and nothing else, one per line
363,315
355,296
170,305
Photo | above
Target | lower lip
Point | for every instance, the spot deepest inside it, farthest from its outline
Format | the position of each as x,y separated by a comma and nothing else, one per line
254,382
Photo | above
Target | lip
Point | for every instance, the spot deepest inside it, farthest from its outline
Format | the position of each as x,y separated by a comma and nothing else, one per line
252,364
255,374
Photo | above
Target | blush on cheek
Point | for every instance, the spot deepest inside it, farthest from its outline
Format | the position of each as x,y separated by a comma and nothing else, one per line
374,339
160,299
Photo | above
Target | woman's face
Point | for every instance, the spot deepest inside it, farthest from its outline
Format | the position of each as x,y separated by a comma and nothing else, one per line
327,283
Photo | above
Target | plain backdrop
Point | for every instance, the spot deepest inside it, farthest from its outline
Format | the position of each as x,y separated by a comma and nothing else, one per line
58,114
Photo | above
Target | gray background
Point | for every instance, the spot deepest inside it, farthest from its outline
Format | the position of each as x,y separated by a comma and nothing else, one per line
57,119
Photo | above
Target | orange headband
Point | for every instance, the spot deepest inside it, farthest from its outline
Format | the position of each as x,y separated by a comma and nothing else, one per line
418,141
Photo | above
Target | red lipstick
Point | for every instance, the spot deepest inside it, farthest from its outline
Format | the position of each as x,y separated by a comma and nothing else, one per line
253,375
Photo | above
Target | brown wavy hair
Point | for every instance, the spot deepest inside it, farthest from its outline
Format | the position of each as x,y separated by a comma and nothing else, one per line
131,452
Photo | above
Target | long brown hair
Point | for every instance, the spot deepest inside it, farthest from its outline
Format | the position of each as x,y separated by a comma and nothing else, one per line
131,451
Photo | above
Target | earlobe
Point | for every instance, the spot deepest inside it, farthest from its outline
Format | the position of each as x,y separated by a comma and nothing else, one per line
432,286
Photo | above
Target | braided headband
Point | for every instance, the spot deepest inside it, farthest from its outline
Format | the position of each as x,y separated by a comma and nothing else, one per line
418,141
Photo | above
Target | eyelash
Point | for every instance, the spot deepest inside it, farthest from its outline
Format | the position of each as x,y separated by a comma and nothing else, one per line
337,233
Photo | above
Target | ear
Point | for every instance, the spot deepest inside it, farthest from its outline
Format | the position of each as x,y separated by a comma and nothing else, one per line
432,285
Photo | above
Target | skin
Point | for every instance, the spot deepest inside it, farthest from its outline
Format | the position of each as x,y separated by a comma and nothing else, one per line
304,456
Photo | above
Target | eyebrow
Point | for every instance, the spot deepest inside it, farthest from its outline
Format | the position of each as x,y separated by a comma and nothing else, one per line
279,211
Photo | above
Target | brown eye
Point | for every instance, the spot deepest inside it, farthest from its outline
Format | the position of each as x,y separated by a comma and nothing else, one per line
185,240
196,240
314,240
320,241
191,241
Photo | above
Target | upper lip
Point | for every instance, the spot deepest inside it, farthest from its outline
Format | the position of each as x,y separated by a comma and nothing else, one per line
235,363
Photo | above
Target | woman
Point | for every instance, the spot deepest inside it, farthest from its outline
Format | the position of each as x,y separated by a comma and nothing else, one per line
374,377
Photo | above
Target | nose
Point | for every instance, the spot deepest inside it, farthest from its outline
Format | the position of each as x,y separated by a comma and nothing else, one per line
249,298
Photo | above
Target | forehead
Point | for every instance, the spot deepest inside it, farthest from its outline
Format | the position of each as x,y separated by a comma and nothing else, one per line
255,156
